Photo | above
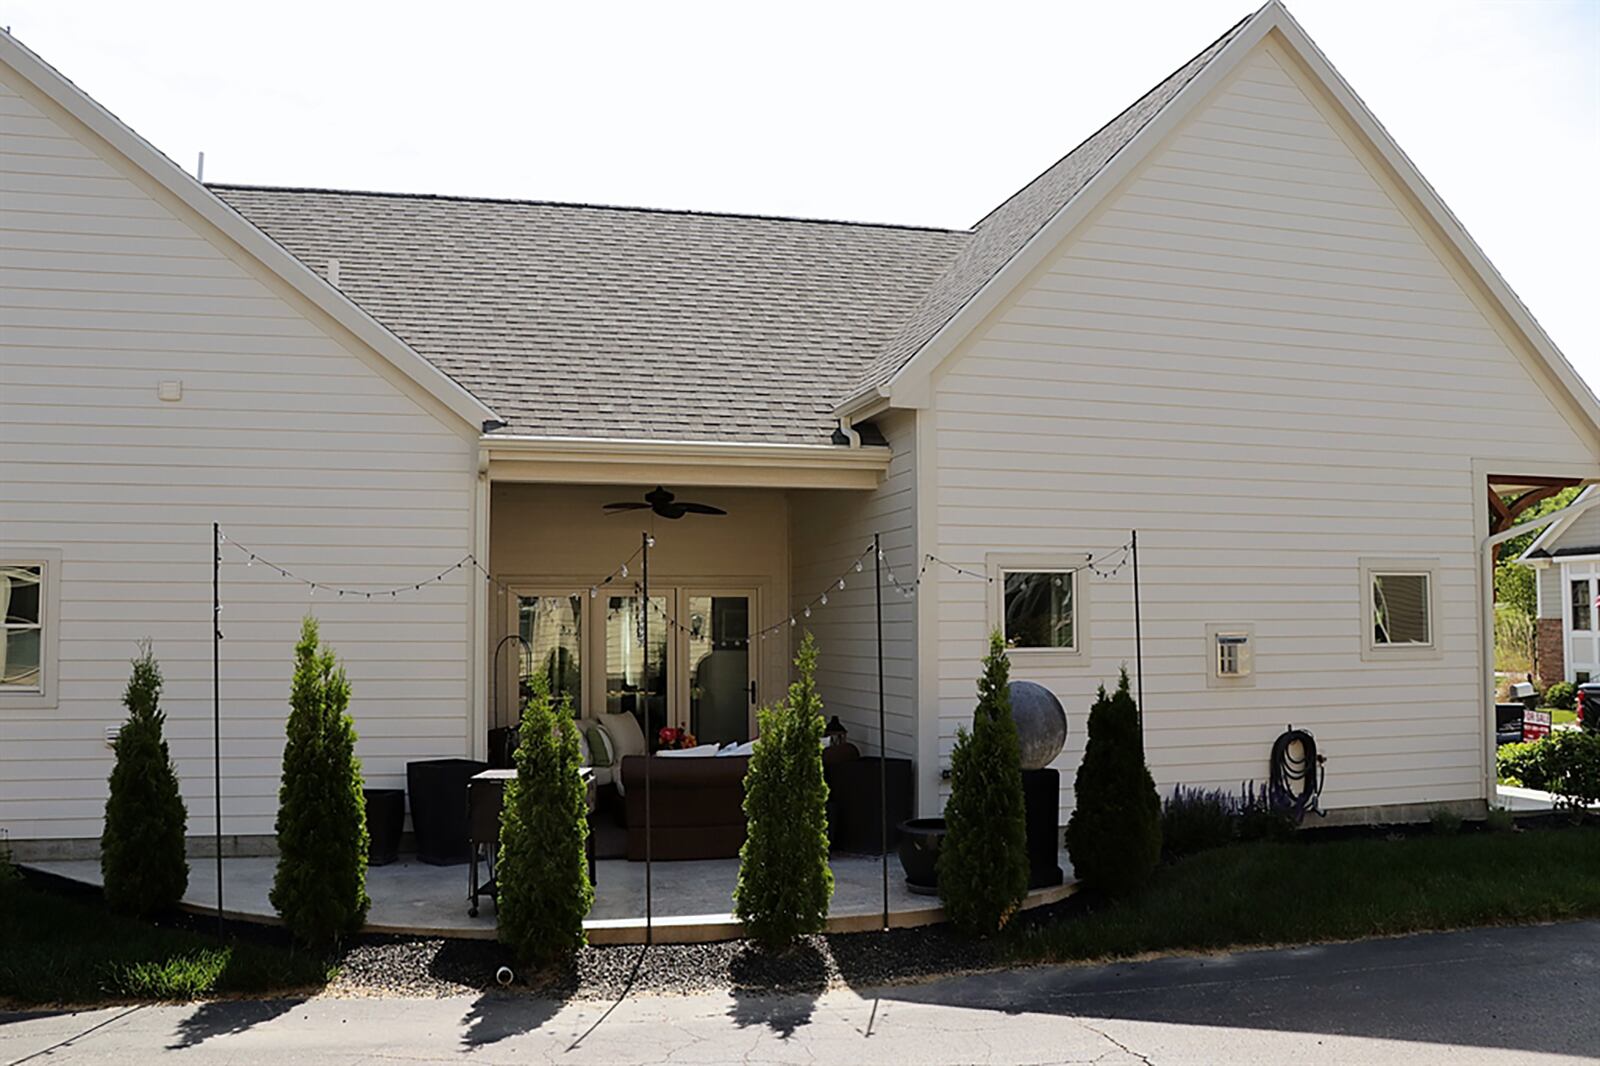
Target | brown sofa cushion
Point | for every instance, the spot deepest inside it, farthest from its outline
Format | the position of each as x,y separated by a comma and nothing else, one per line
696,806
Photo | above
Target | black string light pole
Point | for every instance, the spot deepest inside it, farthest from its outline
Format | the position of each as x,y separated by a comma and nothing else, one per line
883,735
1138,635
649,756
216,701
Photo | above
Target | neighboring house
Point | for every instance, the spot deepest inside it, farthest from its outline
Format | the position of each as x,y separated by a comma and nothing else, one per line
1235,319
1566,560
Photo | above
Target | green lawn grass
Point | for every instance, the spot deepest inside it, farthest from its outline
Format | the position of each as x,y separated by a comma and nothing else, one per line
56,949
1562,717
1303,892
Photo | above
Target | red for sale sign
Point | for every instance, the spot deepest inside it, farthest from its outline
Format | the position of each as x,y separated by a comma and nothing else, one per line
1535,724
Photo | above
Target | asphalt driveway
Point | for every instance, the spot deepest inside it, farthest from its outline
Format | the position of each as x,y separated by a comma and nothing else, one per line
1519,995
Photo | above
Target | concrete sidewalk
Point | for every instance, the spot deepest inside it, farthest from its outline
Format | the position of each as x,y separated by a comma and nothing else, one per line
1524,995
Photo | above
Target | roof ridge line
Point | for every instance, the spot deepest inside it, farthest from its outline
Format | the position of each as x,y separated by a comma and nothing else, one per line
627,208
1117,117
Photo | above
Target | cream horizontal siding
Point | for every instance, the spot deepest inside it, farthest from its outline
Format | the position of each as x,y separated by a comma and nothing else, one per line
827,530
298,442
1253,357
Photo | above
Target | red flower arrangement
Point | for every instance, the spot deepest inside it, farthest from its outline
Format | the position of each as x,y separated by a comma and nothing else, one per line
674,738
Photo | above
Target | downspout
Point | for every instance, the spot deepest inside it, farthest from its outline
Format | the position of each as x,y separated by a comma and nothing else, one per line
850,432
1486,582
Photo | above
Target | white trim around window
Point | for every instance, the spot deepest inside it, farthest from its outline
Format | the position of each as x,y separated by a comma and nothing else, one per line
1000,564
1403,647
46,694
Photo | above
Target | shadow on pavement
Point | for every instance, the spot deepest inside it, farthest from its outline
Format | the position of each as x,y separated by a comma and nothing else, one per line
777,989
1528,988
227,1017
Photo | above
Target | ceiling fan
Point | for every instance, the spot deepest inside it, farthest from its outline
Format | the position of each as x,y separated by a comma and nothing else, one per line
664,504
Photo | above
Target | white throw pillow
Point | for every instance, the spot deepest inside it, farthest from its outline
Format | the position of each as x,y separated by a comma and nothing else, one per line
702,751
735,750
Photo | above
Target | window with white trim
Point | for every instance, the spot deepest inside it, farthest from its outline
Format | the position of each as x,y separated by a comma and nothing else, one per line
1582,605
22,628
1398,605
1400,609
1038,609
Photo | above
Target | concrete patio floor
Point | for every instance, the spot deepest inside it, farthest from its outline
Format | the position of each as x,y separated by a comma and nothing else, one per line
691,900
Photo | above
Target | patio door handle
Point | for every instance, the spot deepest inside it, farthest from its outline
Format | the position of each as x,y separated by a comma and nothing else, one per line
752,692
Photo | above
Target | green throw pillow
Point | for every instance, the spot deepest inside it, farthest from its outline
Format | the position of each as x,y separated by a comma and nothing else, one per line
599,747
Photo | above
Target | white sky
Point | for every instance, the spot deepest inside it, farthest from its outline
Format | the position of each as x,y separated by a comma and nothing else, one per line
924,112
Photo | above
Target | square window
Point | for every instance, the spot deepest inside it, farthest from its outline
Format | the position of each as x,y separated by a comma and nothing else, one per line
1400,610
22,628
1038,609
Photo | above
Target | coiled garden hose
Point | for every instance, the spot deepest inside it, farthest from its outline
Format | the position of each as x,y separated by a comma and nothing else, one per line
1295,781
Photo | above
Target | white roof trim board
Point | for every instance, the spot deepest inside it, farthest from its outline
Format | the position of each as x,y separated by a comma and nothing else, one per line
1545,542
147,158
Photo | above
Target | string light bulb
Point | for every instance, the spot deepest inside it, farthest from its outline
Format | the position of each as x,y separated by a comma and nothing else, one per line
858,566
824,599
808,612
624,569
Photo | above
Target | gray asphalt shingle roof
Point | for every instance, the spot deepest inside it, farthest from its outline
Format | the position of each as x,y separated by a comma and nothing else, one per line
604,322
589,321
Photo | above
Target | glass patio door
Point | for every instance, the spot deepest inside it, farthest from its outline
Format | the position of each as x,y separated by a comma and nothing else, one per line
719,691
636,683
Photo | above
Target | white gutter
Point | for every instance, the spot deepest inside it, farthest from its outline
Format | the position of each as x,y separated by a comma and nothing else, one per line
1486,581
633,448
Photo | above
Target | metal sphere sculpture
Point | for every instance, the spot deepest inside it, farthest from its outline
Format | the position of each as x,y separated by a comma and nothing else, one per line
1041,723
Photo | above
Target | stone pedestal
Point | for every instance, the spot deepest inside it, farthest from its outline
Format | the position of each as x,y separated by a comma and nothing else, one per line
1041,793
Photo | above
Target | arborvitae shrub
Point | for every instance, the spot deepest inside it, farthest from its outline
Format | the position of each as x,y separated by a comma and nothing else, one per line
983,861
542,873
1114,834
785,882
320,889
141,849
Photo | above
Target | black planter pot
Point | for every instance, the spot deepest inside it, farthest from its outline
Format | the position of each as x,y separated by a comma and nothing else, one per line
920,839
386,817
438,790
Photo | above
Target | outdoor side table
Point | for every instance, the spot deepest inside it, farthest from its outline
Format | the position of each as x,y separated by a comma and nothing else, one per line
485,799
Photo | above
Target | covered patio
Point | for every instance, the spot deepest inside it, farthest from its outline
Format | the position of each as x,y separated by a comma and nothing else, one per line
692,900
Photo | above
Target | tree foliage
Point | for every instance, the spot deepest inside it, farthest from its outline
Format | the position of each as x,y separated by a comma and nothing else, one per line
1114,834
785,882
983,861
142,860
320,889
542,872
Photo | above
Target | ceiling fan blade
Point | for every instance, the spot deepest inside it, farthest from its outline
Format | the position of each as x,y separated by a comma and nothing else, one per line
701,508
626,506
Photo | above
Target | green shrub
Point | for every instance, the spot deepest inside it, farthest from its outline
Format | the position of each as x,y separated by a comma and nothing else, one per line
1565,764
983,860
1520,765
542,874
785,883
1444,821
320,889
1195,819
1563,696
142,846
1114,834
